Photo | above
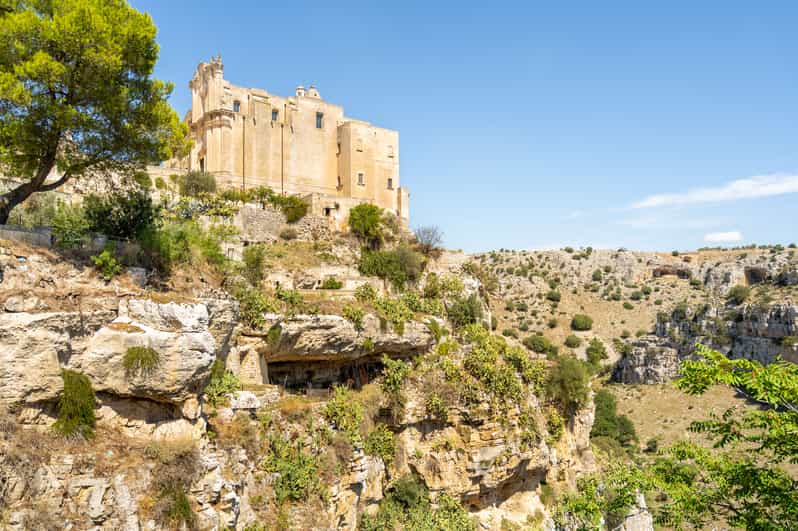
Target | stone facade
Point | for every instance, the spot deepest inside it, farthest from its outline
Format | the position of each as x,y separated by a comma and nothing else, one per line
298,145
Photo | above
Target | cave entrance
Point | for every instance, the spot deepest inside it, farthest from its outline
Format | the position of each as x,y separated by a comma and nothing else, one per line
324,374
678,272
755,275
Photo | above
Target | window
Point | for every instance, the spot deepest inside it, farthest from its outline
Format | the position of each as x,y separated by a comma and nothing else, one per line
202,164
319,120
340,184
390,152
361,179
390,183
275,115
236,106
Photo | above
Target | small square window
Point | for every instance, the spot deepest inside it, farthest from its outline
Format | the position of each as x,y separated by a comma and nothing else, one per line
390,183
361,179
319,120
275,115
236,106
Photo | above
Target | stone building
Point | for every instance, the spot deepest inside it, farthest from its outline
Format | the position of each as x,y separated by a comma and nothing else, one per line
295,145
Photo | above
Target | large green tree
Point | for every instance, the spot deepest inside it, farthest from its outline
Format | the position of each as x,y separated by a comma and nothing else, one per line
77,97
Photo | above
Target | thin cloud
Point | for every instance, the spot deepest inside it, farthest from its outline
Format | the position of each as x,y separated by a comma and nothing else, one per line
723,237
753,187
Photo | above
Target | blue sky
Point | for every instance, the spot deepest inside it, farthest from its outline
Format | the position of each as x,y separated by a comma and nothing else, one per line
532,124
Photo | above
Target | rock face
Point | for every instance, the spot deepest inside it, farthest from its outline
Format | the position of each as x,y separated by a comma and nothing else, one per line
760,333
651,361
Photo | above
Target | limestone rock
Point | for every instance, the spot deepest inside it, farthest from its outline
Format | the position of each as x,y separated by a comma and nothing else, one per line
651,361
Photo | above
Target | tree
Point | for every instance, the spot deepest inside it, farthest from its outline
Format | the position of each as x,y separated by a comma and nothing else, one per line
365,221
77,97
569,384
429,238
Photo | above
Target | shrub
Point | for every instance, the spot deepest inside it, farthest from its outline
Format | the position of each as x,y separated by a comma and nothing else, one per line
596,352
221,384
636,295
380,443
254,258
76,406
195,183
537,343
253,303
555,425
572,341
628,306
124,215
354,315
292,207
107,264
646,290
297,472
393,311
365,293
399,266
436,329
436,408
365,223
568,383
738,294
70,226
465,310
552,322
429,238
345,414
140,360
581,322
597,276
394,373
608,423
331,283
553,296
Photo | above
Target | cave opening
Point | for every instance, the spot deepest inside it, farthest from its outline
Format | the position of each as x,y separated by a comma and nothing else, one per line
308,375
755,275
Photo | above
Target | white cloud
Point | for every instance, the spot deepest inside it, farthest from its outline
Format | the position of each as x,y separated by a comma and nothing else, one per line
723,237
759,186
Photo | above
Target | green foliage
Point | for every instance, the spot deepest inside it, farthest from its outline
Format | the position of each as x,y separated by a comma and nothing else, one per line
253,304
738,294
107,264
179,512
292,207
553,296
399,266
345,414
331,283
292,297
254,258
537,343
142,360
573,341
407,506
608,423
482,362
222,383
77,94
596,352
195,183
422,305
442,286
76,406
121,215
628,306
297,470
380,443
185,242
436,408
365,222
465,310
70,226
37,211
569,384
581,322
354,315
597,275
365,293
555,425
436,329
394,373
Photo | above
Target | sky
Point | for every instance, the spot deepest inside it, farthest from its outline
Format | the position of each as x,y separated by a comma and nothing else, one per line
531,125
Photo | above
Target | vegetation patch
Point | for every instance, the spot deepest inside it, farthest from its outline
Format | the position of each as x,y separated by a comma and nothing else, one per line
76,406
140,360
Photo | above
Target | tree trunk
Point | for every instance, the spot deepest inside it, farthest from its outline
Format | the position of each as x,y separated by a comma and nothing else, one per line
12,198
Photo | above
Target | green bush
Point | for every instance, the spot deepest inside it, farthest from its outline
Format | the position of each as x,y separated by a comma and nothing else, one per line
70,226
394,373
365,293
107,264
568,383
185,242
354,315
628,306
331,283
345,414
393,311
253,303
365,222
380,443
296,471
195,183
465,310
140,360
573,341
537,343
293,207
738,294
76,406
581,322
436,408
607,421
254,258
123,215
221,384
597,275
553,296
596,352
399,266
552,322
